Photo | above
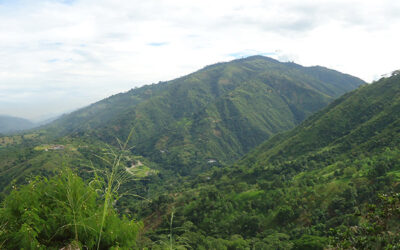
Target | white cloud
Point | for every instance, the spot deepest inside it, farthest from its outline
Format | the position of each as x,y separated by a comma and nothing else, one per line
80,51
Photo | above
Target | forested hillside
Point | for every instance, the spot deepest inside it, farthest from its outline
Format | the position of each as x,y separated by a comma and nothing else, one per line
332,181
214,115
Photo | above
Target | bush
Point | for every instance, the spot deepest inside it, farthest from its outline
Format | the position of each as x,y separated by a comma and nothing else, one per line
310,242
285,214
56,212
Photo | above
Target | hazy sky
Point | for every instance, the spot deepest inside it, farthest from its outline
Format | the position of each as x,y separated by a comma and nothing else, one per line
58,55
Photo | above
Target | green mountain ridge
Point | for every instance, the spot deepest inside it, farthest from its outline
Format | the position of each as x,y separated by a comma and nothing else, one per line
208,118
314,187
219,112
359,121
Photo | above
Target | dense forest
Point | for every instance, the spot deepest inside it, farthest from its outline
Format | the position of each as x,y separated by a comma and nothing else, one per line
249,154
332,181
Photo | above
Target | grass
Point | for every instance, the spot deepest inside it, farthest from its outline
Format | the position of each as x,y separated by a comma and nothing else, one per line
110,179
141,171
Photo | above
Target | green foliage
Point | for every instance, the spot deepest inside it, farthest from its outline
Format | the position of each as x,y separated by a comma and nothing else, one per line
302,184
361,121
379,228
56,212
310,242
285,214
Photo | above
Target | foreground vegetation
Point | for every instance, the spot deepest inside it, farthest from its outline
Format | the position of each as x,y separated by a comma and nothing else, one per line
62,211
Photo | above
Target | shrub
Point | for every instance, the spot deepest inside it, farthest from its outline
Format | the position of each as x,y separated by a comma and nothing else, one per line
61,211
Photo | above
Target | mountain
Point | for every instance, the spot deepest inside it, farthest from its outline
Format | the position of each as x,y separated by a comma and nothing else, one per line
359,122
187,125
332,182
13,124
47,119
212,116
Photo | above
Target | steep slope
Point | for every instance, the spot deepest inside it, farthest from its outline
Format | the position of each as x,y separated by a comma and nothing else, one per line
12,124
214,115
309,187
361,121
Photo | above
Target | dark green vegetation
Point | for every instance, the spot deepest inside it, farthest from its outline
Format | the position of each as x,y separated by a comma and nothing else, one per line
61,212
12,124
379,228
314,186
218,113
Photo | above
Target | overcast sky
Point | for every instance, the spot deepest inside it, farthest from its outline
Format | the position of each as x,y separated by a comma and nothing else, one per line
58,55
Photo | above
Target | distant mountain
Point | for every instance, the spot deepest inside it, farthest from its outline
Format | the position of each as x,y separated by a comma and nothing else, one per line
332,181
212,116
47,120
13,124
